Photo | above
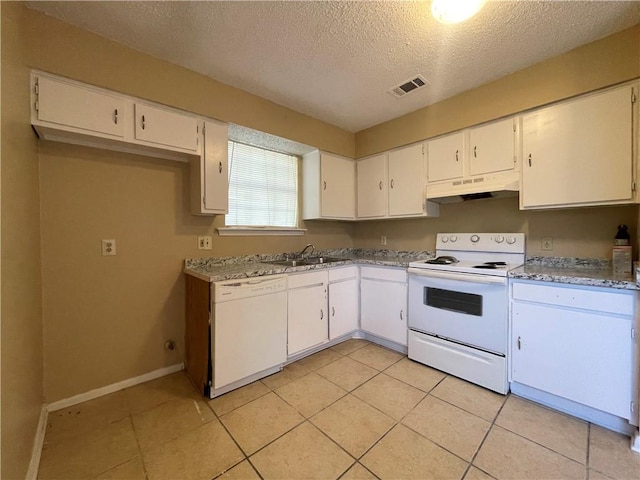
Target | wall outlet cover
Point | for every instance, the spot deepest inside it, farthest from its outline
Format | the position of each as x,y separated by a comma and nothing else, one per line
108,247
547,243
205,243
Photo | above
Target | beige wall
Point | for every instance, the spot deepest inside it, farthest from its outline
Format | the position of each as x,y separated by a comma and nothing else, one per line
580,232
584,232
21,287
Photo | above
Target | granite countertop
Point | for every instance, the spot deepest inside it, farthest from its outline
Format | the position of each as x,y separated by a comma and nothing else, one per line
575,271
216,269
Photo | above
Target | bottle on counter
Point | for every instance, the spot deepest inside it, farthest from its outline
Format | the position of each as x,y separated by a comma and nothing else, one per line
622,251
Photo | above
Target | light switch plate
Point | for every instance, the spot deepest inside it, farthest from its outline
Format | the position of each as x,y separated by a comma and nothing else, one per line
547,243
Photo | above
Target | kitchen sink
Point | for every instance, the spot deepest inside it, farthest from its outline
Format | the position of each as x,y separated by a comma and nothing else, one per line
306,261
319,260
289,263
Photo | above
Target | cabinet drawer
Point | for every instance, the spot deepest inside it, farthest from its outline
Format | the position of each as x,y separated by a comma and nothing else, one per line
307,279
583,298
336,274
384,273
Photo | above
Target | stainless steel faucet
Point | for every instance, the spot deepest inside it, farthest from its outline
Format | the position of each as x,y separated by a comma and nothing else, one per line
304,250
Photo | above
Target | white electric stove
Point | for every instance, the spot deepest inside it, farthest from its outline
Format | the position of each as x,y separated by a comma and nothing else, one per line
458,306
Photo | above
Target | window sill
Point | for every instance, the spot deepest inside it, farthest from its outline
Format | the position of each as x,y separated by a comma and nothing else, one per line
259,231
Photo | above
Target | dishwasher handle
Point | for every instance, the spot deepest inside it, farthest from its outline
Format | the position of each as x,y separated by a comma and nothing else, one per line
248,287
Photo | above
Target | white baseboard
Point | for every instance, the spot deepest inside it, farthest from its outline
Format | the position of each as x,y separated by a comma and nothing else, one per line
114,387
38,442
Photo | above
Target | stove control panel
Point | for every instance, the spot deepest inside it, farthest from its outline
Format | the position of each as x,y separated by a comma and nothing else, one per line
485,242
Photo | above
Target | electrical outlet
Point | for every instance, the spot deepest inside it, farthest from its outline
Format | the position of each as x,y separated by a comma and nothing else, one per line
383,240
204,243
547,243
108,247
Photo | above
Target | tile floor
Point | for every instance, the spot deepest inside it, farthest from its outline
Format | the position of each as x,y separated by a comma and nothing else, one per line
354,411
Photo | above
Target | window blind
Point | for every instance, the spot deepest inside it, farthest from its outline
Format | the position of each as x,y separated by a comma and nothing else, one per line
263,187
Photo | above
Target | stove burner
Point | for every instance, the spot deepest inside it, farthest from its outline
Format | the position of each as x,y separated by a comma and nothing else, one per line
443,260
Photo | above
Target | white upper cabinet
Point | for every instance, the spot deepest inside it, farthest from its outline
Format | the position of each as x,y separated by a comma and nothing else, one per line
445,157
328,187
372,186
406,181
492,147
209,172
169,129
392,185
78,108
579,152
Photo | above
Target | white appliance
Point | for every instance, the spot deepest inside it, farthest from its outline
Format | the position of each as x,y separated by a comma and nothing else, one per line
248,331
459,303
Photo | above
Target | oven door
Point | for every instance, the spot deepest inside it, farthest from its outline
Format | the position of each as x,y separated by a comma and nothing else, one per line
466,308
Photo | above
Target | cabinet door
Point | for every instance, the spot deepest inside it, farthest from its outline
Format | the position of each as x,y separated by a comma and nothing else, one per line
215,168
579,152
492,147
68,105
343,307
406,181
444,160
383,309
338,186
308,319
583,357
170,129
372,187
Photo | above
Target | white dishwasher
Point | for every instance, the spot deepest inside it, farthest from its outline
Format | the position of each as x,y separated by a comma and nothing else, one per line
248,331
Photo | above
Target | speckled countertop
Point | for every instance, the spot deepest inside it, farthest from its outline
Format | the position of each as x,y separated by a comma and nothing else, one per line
575,271
216,269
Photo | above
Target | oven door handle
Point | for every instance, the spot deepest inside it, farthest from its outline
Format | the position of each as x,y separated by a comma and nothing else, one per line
463,277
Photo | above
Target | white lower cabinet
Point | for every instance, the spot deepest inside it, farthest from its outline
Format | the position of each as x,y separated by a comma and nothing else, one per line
308,319
343,301
383,303
575,343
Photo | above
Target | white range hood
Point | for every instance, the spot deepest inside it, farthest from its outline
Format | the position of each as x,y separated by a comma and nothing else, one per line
494,185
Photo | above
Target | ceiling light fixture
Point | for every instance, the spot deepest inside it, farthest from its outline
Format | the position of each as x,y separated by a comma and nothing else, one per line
455,11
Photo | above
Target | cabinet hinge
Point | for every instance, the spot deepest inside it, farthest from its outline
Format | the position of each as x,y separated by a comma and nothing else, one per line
633,333
633,97
633,407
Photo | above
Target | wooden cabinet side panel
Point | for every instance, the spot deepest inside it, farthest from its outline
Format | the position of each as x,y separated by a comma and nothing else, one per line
197,332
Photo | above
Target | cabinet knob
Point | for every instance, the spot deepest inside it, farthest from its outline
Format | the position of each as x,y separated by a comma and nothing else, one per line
220,167
324,185
115,116
143,122
529,159
456,155
333,311
380,185
401,315
474,152
392,183
321,314
518,343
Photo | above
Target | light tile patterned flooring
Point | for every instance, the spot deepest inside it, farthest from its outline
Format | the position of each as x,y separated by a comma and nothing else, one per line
354,411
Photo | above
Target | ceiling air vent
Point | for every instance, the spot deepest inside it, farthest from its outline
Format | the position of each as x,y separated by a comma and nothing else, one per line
408,86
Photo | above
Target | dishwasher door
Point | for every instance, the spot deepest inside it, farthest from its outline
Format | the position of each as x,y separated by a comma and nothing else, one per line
248,330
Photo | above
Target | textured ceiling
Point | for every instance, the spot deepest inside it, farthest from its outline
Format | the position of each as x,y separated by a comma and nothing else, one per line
335,60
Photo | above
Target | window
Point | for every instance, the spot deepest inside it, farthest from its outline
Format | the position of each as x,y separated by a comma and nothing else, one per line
263,187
